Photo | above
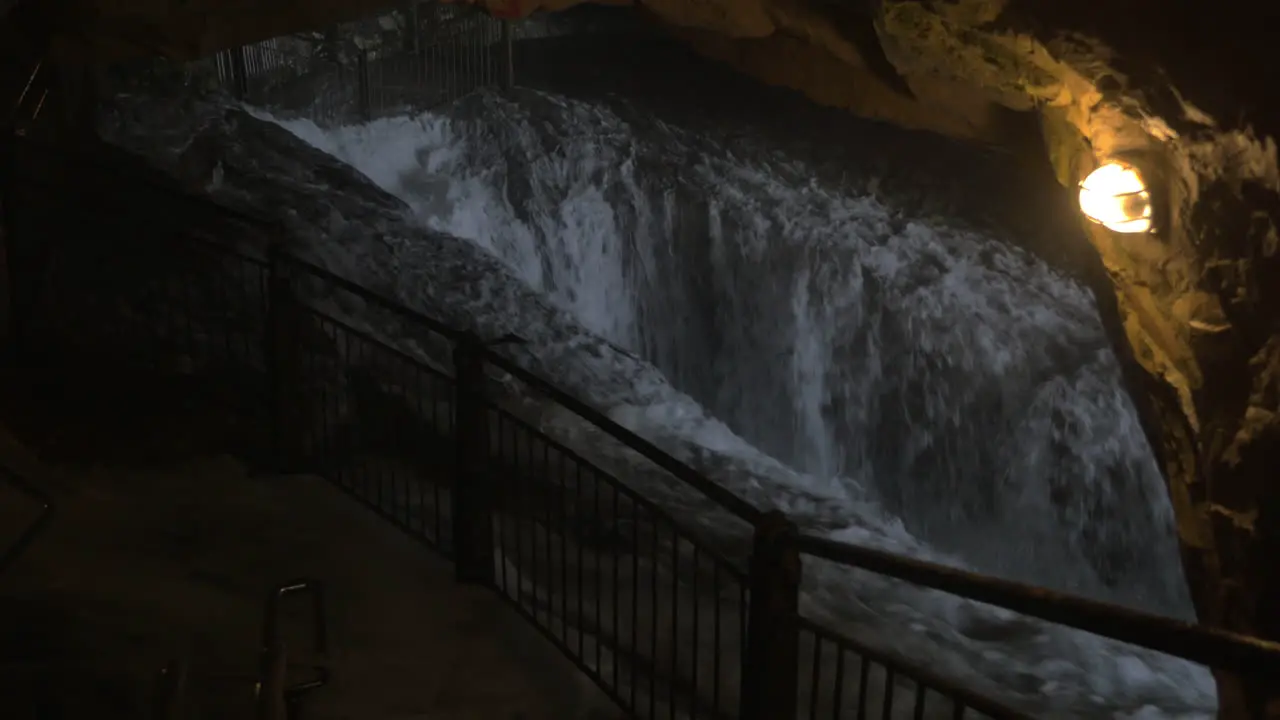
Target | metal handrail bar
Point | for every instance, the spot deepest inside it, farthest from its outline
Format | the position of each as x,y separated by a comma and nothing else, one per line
1209,646
1218,648
704,485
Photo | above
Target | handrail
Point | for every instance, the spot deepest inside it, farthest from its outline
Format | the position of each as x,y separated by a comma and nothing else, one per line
712,490
1198,643
373,296
1209,646
1217,648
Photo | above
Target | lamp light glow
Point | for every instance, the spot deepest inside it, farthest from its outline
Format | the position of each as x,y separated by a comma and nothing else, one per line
1116,197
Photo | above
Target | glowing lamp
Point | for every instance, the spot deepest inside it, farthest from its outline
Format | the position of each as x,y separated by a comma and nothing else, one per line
1116,197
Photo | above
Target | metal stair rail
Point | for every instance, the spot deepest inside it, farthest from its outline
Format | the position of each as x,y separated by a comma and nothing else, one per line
274,697
273,639
433,436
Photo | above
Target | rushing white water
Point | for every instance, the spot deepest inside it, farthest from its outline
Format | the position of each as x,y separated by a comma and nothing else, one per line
934,384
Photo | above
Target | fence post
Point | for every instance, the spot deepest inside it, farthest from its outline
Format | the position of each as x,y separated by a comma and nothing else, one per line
770,685
239,74
508,59
472,496
277,350
363,92
413,41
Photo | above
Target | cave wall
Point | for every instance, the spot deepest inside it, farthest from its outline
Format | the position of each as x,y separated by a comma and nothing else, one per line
1190,84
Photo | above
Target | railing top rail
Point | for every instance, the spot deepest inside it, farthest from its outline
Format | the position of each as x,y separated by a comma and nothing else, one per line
1208,646
1217,648
682,472
368,295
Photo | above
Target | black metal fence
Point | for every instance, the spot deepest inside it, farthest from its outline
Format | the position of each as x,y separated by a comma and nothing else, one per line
359,71
655,616
438,432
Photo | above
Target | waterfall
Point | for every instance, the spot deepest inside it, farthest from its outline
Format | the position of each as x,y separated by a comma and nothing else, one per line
959,382
952,396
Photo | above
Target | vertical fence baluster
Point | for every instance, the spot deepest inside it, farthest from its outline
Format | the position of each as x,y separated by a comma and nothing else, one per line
634,647
770,669
598,552
675,623
472,513
815,677
580,540
364,97
695,561
886,702
529,489
716,636
837,700
864,679
278,349
508,62
654,553
509,519
239,74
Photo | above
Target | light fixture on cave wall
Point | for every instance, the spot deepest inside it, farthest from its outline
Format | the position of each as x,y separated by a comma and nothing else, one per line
1117,197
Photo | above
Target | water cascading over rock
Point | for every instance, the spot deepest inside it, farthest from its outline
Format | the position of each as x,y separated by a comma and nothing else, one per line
960,383
869,311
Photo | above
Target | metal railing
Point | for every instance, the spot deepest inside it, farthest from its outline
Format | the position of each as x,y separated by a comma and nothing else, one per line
437,431
442,52
273,696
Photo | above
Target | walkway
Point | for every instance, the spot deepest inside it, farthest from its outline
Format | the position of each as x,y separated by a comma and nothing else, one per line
163,548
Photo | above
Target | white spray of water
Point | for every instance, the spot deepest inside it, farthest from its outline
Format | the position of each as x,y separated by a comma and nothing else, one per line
898,361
